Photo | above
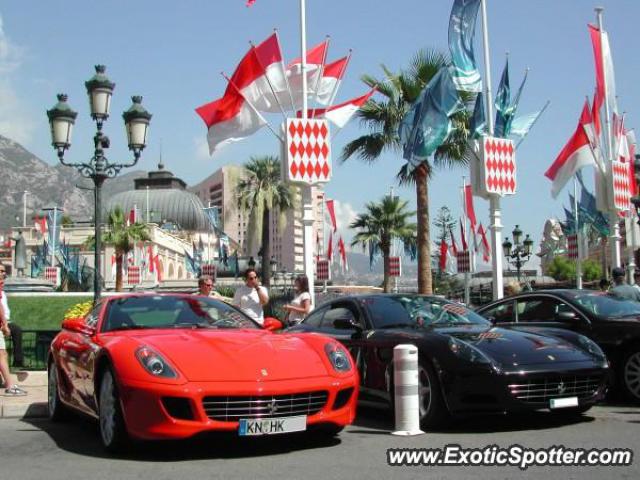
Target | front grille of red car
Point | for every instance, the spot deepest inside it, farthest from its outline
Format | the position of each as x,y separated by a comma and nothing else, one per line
541,390
231,409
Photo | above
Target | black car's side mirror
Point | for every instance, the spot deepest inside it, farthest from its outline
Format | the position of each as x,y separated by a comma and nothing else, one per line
346,324
566,316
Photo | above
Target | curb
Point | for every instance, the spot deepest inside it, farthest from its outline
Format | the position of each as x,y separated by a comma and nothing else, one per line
25,410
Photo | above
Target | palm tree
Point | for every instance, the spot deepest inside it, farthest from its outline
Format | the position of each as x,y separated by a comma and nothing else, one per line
122,237
261,192
383,118
381,224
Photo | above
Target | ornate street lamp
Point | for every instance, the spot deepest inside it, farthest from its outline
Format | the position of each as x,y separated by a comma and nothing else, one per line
518,252
98,168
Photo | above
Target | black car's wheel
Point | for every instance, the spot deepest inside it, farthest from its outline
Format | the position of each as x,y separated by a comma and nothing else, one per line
432,409
113,432
630,373
56,410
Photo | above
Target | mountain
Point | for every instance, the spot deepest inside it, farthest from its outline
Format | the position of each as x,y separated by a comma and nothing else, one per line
47,186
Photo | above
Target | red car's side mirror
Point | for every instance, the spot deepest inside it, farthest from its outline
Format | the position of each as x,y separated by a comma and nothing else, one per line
77,325
272,324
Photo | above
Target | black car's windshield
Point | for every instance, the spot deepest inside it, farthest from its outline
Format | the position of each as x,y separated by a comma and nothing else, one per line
419,311
603,305
167,311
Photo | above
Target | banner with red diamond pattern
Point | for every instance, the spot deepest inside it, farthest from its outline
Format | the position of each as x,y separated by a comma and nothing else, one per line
395,267
620,184
464,261
322,270
133,275
498,167
572,246
209,269
308,151
52,274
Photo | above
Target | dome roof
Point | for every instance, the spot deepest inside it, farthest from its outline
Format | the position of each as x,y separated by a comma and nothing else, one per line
171,205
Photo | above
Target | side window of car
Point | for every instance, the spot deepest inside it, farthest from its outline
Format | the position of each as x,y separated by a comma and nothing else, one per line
315,318
500,313
540,310
336,313
92,319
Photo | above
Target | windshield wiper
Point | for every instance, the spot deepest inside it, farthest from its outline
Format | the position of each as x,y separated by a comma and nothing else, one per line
192,325
128,327
400,325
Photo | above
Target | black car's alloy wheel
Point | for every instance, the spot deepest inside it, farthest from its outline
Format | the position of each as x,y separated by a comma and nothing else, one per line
432,409
631,373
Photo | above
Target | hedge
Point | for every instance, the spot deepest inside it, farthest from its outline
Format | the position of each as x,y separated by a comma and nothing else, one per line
41,313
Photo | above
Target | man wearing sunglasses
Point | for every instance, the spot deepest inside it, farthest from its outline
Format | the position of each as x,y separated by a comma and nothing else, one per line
207,286
11,389
251,296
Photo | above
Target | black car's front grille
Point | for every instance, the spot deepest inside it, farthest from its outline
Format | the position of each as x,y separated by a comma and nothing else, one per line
543,389
231,409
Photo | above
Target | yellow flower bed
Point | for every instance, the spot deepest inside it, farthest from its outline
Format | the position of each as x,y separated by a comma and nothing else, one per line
79,310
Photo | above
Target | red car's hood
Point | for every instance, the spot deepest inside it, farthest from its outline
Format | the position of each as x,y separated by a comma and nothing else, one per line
238,355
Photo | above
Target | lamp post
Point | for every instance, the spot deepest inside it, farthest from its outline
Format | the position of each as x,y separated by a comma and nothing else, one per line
98,168
518,252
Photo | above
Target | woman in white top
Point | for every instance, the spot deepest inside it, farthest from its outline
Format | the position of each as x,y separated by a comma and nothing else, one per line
300,306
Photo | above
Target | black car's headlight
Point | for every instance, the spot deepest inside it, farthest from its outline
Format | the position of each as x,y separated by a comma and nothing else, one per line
593,348
154,363
468,352
338,357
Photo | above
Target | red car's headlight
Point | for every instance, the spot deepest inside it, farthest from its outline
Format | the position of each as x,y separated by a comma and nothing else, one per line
153,363
338,357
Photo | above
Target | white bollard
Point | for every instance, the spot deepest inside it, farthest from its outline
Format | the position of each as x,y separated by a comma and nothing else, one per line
406,385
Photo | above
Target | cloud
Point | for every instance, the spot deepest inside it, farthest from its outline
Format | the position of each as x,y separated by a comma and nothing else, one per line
15,122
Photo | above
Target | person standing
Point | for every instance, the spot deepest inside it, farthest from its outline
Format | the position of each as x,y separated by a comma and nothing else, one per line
621,289
206,288
251,297
300,306
11,389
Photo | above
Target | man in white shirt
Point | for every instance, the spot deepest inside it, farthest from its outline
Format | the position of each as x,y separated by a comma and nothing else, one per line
251,297
10,388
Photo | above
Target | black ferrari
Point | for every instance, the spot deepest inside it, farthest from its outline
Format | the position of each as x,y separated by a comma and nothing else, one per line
613,323
466,364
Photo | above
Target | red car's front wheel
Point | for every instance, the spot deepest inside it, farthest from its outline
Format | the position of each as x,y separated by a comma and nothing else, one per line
112,428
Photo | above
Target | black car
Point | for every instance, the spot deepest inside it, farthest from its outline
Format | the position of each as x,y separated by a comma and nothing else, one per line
466,364
613,323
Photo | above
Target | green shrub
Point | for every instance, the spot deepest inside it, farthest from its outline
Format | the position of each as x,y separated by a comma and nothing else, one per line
41,313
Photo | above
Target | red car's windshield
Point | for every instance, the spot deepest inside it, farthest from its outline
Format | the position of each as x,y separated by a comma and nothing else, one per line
166,311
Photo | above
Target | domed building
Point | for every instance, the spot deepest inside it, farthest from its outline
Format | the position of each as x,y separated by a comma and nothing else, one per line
162,198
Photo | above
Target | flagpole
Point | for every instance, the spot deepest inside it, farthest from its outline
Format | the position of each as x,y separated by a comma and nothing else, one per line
284,69
334,93
307,200
494,201
613,216
578,234
319,79
284,116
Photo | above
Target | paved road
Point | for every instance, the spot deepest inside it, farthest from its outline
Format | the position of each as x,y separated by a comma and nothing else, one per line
38,449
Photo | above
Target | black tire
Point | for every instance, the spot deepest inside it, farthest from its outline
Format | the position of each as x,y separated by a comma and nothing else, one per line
433,412
113,431
630,373
57,411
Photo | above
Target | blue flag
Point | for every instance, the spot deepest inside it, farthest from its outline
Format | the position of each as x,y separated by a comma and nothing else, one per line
520,126
427,124
54,218
213,216
503,102
478,122
462,26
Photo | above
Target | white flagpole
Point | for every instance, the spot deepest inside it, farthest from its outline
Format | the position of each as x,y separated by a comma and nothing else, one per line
307,200
467,275
494,202
613,216
578,234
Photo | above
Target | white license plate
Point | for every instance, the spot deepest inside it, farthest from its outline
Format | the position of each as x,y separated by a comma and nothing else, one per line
564,402
272,426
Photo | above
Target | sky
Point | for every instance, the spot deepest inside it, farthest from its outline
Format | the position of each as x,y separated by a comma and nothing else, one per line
172,54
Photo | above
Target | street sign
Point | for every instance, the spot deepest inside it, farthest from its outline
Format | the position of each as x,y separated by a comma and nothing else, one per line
395,267
572,246
307,151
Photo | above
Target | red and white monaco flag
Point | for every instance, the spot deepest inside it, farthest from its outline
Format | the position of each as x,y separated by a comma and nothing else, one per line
343,255
330,82
484,244
340,114
315,63
261,93
576,154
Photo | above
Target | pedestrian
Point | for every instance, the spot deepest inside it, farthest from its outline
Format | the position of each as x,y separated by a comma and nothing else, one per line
604,285
301,305
206,288
10,388
621,289
251,297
